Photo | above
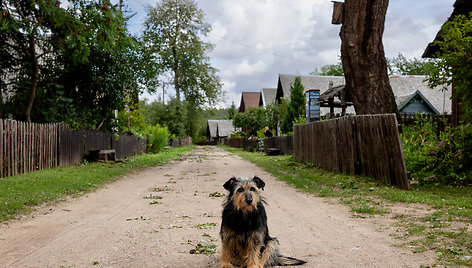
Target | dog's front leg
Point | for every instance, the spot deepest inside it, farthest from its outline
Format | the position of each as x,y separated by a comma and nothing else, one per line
226,257
253,260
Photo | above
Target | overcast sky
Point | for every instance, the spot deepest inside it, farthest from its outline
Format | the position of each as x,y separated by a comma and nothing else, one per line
255,40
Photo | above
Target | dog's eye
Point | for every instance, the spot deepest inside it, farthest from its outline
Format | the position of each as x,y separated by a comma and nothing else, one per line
240,190
253,189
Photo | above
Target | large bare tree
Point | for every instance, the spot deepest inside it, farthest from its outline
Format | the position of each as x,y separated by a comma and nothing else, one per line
363,57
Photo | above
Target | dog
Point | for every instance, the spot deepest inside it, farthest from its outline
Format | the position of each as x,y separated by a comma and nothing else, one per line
244,232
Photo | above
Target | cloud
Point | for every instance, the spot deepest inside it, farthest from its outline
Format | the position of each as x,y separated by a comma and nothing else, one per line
255,40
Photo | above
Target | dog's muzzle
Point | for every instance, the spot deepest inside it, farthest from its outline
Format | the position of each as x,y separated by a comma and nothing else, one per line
249,199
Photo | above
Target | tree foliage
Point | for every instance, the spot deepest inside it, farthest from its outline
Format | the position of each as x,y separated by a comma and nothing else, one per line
74,64
296,109
251,121
37,33
399,65
454,65
173,40
330,70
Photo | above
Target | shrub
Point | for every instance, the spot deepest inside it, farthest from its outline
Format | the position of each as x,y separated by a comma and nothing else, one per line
445,159
158,138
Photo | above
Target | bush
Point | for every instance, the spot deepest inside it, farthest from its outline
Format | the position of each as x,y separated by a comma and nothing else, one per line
158,138
445,159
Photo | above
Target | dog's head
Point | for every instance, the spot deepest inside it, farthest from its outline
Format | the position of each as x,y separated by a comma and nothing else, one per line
244,192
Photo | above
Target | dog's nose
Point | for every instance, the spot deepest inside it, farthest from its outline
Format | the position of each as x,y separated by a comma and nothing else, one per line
249,199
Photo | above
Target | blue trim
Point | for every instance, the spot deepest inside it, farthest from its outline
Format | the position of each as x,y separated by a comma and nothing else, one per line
430,106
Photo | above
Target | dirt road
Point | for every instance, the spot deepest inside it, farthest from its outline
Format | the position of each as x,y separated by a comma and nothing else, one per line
154,218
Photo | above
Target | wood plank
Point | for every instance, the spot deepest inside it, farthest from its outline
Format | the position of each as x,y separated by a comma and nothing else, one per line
2,160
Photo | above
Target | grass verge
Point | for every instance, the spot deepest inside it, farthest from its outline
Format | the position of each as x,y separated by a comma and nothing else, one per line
19,193
445,225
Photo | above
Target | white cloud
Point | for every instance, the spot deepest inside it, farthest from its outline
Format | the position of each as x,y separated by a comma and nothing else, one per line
255,40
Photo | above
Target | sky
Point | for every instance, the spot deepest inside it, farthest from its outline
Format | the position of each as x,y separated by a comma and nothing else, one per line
256,40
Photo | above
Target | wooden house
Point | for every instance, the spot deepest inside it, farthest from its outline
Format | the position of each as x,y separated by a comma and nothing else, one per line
268,96
332,89
250,99
219,130
415,103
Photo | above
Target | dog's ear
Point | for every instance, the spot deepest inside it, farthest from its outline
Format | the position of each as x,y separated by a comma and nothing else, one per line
260,183
229,183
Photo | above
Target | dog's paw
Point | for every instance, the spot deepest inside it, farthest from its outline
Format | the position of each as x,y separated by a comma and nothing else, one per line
254,266
226,265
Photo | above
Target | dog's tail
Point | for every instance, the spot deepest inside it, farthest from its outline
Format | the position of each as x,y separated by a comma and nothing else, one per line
287,261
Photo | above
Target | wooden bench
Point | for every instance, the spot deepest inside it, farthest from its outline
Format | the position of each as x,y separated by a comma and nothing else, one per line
106,155
273,151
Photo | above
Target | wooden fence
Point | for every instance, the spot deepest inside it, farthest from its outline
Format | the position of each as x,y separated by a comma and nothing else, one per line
25,147
283,143
366,144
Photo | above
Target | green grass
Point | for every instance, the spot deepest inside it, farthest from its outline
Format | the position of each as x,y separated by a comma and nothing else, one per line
448,206
19,193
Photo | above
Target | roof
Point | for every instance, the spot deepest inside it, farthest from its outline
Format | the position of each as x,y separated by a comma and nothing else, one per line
404,85
268,96
250,99
461,7
220,128
401,85
310,82
404,101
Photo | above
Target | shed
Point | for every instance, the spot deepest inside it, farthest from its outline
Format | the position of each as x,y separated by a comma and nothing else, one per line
250,99
217,130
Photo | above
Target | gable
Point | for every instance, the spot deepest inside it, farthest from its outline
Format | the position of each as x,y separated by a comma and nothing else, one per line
250,99
415,103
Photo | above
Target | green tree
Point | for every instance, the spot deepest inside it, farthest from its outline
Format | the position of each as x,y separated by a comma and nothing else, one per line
400,65
330,70
296,109
454,65
34,32
275,113
173,40
232,111
251,121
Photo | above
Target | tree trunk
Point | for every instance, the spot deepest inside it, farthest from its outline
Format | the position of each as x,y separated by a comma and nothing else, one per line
363,57
34,78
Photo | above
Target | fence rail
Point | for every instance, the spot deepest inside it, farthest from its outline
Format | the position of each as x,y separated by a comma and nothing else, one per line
367,144
25,147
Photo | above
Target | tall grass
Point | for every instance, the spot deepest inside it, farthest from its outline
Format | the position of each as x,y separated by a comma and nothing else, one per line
438,159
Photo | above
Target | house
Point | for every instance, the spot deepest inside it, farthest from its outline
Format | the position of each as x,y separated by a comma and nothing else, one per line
414,103
401,86
268,96
461,7
323,83
219,130
439,99
250,99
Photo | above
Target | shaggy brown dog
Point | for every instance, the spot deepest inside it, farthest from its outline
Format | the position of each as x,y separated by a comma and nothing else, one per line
244,232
